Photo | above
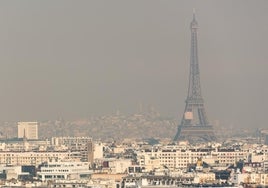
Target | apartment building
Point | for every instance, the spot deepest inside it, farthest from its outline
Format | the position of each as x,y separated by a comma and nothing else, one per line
34,158
179,158
28,130
64,170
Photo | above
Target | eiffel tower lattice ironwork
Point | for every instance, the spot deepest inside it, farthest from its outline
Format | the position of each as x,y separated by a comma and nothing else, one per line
194,125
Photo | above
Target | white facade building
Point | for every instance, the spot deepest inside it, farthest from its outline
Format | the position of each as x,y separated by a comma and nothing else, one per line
98,150
28,130
33,158
180,158
71,142
64,170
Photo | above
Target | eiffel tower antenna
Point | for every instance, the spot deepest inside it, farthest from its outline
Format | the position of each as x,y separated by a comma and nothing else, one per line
194,124
194,13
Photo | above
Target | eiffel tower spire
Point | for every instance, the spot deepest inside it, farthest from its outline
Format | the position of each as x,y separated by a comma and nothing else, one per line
194,125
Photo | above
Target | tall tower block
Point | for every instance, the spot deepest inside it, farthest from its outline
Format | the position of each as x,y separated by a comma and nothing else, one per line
194,125
28,130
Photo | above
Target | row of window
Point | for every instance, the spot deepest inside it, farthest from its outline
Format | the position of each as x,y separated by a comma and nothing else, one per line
55,170
54,176
32,155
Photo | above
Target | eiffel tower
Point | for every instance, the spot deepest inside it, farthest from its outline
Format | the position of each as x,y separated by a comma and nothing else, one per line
194,126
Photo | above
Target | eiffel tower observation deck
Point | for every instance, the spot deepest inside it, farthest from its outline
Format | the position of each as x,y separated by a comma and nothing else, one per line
194,125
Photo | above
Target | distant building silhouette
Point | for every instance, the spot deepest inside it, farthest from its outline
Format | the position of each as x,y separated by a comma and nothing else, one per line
266,139
90,152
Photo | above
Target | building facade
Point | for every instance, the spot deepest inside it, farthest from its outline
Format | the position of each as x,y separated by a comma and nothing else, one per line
28,130
64,170
35,158
181,158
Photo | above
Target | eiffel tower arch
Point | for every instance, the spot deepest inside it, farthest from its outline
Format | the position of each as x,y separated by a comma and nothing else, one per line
194,125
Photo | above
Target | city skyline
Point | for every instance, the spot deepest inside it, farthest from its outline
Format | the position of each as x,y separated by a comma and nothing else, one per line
73,60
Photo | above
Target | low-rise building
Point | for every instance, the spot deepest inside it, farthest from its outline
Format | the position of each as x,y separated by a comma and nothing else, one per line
34,158
64,170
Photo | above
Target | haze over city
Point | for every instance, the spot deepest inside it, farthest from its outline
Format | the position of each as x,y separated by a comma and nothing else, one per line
74,59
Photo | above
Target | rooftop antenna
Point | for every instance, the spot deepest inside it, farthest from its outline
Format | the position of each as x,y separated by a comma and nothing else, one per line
194,13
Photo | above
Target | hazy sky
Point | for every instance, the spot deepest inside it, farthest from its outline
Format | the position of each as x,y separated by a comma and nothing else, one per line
75,59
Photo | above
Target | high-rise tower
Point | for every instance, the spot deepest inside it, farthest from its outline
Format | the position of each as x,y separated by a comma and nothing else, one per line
28,130
194,125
